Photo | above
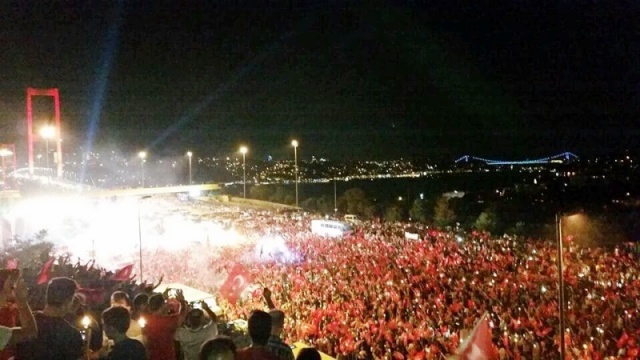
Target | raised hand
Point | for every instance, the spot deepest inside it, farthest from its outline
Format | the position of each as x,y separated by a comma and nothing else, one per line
266,293
180,295
9,283
21,292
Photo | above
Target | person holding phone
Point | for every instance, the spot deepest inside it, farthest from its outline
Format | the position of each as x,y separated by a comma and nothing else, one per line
196,330
165,315
15,289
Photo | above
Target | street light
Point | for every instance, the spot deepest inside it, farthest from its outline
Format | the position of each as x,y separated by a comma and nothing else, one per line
47,132
142,155
335,196
189,155
243,151
294,143
3,153
140,235
561,302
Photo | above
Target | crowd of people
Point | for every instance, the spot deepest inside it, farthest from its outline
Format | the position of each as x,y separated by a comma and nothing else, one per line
148,327
377,294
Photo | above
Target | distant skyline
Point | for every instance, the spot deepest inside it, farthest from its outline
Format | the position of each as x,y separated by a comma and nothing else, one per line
511,80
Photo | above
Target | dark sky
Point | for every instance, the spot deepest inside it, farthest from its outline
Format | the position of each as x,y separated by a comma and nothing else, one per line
510,80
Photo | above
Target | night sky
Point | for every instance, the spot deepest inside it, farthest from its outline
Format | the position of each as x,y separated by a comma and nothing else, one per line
511,80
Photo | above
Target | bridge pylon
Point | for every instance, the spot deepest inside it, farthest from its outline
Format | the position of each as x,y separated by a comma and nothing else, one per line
53,92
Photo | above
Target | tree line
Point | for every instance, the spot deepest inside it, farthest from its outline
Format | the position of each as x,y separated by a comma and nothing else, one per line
517,214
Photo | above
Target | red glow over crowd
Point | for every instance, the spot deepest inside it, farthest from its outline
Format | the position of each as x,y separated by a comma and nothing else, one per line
376,294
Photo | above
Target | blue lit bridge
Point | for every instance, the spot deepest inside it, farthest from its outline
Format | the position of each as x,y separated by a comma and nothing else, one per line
565,157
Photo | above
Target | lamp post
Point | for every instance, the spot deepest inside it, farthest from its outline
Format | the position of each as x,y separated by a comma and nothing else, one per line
140,235
335,196
3,153
142,155
189,155
294,143
47,132
243,151
561,301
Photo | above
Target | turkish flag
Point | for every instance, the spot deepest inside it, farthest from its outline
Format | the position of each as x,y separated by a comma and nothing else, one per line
43,278
622,341
543,333
123,274
478,345
239,279
12,264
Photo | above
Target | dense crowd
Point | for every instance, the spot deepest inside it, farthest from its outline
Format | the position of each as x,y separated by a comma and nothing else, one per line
375,294
378,294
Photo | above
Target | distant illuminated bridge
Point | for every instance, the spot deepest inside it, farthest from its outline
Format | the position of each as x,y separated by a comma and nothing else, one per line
560,158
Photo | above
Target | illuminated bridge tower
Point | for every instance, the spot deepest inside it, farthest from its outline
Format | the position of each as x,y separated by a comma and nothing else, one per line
58,140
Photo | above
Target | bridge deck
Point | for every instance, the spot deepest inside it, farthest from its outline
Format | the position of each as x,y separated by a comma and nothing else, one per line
151,191
130,192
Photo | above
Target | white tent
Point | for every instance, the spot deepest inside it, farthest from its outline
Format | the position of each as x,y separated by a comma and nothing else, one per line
192,295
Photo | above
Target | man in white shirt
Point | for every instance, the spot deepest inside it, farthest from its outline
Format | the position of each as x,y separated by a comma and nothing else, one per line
196,331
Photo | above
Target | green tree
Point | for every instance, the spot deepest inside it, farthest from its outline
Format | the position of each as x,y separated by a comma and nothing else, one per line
282,195
325,205
419,210
443,214
309,204
322,204
354,201
370,211
486,221
593,230
519,229
393,214
260,192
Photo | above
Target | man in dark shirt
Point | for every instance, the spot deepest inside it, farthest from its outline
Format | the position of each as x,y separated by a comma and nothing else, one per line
57,339
116,322
275,344
259,331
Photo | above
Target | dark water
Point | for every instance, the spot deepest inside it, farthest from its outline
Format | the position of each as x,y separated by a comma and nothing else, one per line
390,190
384,190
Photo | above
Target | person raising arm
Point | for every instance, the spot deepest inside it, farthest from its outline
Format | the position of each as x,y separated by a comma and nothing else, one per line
14,288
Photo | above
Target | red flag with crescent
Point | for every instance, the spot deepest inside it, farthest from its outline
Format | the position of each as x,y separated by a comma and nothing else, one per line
11,264
239,279
43,277
123,274
478,346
